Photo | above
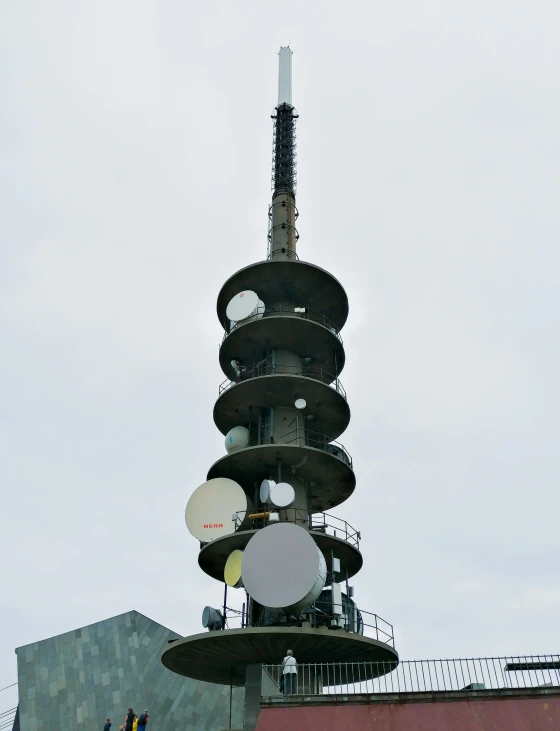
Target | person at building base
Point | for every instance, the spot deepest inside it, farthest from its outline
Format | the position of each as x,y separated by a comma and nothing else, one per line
129,720
107,724
143,720
289,673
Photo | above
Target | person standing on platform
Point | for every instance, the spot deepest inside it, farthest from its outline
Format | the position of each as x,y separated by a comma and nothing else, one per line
289,672
107,724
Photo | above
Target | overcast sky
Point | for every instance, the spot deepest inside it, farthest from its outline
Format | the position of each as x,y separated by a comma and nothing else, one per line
136,153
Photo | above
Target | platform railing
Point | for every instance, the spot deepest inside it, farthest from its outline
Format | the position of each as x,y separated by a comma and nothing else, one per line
303,313
353,621
463,675
315,522
304,438
268,368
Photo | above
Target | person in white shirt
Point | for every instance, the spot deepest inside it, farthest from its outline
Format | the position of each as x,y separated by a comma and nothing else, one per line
289,672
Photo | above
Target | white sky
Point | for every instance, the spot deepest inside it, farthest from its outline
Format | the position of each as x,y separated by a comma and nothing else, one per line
136,146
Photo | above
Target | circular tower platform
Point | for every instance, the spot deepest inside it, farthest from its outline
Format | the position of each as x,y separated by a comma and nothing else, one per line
289,281
212,558
222,657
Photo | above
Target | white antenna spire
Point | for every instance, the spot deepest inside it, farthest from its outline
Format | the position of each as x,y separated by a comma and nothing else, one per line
285,76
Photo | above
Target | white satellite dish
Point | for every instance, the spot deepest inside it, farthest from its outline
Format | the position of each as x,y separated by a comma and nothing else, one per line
236,438
283,568
212,618
243,305
264,493
300,403
210,507
282,495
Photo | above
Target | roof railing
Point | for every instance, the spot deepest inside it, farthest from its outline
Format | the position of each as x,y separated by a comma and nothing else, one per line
466,676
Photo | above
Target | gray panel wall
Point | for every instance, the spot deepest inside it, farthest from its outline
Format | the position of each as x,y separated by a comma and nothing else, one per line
73,682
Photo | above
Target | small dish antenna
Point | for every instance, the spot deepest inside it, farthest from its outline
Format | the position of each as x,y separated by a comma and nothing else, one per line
282,495
236,438
266,487
243,305
300,404
212,619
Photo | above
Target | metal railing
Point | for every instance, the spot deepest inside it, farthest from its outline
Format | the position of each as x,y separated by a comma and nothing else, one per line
268,368
303,313
377,628
304,438
316,522
419,676
364,623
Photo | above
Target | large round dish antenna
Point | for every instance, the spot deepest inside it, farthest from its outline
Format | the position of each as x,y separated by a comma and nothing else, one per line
300,403
264,492
211,506
243,305
283,568
232,569
282,495
236,438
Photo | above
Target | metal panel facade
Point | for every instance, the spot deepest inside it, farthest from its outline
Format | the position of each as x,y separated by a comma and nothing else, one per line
75,681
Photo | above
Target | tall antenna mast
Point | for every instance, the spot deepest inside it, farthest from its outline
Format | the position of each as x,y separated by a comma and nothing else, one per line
285,76
282,214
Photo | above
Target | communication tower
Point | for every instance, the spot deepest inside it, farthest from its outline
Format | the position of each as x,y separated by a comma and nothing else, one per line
263,517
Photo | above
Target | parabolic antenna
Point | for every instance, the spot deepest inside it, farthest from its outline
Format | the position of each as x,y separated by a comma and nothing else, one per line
232,570
236,438
300,403
264,493
210,507
211,618
283,568
242,305
282,495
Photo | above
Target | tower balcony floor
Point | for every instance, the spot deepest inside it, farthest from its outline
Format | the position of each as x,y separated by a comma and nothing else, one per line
239,402
298,282
283,329
327,468
212,558
223,656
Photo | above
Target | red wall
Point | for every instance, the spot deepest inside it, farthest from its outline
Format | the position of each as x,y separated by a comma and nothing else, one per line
530,714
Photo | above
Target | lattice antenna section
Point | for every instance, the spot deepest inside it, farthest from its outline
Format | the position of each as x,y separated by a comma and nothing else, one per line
284,154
